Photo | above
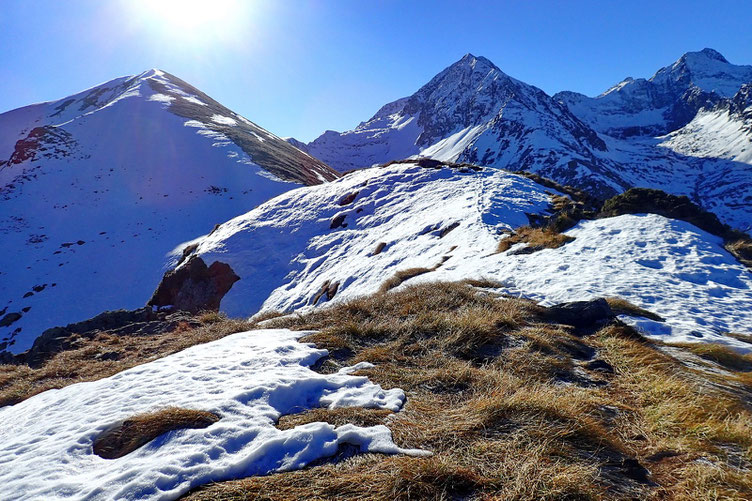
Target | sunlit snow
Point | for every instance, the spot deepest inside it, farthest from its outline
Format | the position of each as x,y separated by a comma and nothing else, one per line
249,379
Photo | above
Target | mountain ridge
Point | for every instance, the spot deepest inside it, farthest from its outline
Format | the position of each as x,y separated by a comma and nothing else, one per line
473,112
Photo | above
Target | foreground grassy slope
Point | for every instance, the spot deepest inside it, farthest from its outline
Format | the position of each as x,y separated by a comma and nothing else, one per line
513,405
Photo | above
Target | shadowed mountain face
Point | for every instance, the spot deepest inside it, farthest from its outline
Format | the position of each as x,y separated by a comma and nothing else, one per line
473,112
97,189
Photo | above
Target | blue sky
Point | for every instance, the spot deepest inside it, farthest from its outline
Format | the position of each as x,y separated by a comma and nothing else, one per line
299,67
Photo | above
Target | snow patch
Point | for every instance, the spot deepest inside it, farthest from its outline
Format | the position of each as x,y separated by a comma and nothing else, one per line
223,120
250,379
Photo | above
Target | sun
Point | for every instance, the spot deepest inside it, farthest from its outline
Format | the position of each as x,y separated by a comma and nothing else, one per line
192,14
190,20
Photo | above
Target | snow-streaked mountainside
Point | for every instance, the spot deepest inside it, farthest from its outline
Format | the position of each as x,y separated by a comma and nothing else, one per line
473,112
345,239
666,101
249,379
724,131
97,188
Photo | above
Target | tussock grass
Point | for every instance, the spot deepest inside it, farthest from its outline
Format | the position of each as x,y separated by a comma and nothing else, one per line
483,376
402,276
536,238
504,400
107,354
720,354
621,306
127,436
741,249
338,417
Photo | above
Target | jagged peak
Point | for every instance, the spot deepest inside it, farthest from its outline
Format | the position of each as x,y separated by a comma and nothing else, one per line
706,53
473,61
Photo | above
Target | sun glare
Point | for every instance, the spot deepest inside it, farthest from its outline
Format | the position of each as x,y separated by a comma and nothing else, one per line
197,20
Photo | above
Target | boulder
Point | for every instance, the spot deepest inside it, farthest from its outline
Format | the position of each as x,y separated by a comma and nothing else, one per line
582,315
194,286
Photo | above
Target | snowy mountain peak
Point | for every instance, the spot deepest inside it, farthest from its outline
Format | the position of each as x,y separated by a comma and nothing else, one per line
706,69
473,61
706,53
666,101
97,188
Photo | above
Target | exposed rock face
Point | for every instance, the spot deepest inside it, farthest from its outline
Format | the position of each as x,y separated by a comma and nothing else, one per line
194,286
9,318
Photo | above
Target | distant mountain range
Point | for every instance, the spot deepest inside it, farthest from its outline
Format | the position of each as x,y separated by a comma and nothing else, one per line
685,130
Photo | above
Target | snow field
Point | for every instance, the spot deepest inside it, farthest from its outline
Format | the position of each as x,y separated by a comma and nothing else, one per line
250,379
666,266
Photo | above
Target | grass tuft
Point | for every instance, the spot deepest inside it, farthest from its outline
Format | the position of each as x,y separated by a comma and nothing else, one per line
134,432
623,307
536,238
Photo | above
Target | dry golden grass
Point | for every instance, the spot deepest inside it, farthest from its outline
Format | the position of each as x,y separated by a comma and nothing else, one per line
623,307
722,355
403,275
124,438
506,402
493,392
536,238
741,248
105,355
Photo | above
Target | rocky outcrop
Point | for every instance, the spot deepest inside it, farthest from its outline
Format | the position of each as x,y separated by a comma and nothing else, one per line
194,286
140,322
584,316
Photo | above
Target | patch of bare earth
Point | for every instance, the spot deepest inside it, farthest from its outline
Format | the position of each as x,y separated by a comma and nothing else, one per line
127,436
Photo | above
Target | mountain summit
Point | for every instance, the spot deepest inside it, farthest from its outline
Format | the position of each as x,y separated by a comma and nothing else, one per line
97,188
472,111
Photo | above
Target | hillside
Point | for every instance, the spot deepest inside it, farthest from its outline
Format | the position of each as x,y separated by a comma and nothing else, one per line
346,238
493,293
510,399
96,189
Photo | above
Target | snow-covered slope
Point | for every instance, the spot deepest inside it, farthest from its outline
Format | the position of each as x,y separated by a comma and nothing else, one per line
664,102
724,131
249,379
669,267
473,112
97,188
393,218
448,222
